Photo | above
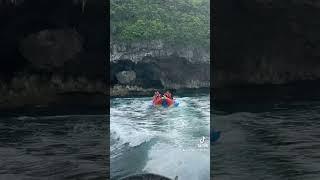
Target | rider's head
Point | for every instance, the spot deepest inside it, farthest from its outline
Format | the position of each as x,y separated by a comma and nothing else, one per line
168,94
156,93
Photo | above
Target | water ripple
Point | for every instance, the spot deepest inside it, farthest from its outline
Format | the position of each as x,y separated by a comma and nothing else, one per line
159,140
281,142
54,147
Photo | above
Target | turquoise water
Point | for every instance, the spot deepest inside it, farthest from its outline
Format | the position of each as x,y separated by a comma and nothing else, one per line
160,140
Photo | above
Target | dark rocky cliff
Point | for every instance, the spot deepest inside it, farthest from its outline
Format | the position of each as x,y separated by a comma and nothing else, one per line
265,42
52,52
140,68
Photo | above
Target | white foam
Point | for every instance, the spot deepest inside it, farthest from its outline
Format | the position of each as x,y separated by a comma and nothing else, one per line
184,163
175,152
128,135
25,118
123,125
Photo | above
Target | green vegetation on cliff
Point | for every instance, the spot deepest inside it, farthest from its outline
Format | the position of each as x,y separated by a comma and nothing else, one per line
177,22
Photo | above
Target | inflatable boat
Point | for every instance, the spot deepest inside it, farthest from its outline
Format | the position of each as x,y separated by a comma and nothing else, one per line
165,102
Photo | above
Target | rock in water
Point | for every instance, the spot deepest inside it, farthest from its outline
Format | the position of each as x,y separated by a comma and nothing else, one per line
125,77
51,48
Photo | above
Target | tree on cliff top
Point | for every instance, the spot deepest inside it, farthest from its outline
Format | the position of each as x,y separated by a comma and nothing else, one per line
177,22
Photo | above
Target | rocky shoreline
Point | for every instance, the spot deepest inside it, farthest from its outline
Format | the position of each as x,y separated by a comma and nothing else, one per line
36,90
141,69
265,43
134,91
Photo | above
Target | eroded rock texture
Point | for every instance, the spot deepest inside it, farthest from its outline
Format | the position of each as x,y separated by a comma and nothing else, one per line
266,42
52,50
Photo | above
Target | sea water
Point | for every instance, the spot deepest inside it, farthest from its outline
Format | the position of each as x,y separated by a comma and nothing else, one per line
166,141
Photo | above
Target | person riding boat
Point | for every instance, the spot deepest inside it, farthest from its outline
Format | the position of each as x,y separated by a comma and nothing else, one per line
168,95
157,100
168,100
156,96
165,100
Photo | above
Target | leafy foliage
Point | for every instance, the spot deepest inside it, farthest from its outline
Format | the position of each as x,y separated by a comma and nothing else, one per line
178,22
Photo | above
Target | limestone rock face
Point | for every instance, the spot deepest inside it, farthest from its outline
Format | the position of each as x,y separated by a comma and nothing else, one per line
52,52
138,51
266,42
166,72
125,77
51,48
159,65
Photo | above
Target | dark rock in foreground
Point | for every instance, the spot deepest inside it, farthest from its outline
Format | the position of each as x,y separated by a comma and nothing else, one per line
148,176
